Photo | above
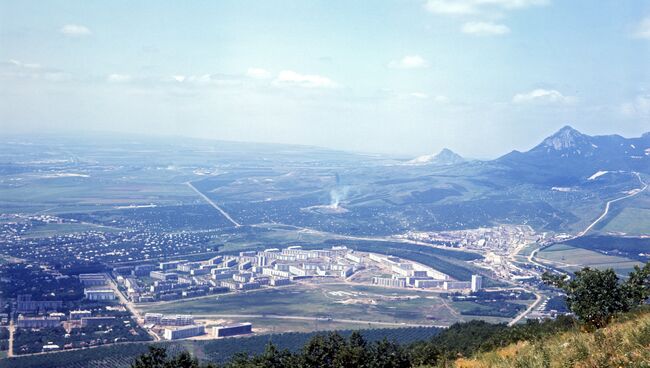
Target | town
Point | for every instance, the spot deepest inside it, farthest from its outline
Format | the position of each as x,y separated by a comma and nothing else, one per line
148,283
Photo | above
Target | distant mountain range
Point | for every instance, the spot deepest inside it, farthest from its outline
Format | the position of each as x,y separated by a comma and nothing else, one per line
444,157
569,156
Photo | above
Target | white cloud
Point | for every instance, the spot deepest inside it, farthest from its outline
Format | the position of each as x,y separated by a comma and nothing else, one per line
640,106
20,64
441,99
409,62
643,29
179,78
484,29
31,71
542,96
202,80
258,73
419,95
451,7
75,30
119,78
471,7
56,76
292,79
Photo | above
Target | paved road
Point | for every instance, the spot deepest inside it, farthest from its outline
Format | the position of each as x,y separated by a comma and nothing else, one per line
528,310
12,330
644,186
352,237
216,206
305,318
130,306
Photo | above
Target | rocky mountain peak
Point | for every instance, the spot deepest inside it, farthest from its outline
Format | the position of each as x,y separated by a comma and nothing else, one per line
567,137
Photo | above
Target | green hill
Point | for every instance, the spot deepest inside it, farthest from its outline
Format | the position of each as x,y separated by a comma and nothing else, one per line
624,343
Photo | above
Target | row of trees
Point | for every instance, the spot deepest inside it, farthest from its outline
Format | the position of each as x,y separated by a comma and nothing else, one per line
331,350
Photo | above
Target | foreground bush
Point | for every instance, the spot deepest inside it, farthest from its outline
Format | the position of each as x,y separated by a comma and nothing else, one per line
621,344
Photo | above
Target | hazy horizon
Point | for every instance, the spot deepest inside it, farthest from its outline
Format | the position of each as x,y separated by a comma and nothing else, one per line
401,78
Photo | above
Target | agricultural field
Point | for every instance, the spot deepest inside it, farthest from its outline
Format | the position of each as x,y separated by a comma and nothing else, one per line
216,351
572,258
630,221
342,302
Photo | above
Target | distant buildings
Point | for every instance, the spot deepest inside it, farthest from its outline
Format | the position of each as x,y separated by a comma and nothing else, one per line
99,294
456,285
389,282
143,270
183,332
477,283
279,281
96,321
171,265
92,279
152,318
428,283
168,320
164,276
232,330
25,304
37,322
76,315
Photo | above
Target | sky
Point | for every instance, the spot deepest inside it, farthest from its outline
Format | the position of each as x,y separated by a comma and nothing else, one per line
408,77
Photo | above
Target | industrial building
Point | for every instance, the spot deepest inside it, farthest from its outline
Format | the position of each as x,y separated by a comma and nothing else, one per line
232,330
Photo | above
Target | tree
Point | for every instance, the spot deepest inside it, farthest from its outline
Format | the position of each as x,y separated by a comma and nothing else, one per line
157,358
387,354
354,354
595,296
322,350
637,286
425,353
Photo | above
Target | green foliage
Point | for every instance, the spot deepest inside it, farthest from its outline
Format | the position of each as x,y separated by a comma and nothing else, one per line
596,296
20,278
221,351
157,357
333,350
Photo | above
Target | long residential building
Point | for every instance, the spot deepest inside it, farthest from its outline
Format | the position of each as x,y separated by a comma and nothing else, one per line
232,330
25,304
99,294
390,282
37,322
183,332
92,279
176,320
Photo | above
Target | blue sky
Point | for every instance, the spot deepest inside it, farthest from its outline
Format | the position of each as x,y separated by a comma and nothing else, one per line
481,77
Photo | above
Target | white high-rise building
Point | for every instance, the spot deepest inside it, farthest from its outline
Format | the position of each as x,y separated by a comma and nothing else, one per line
477,283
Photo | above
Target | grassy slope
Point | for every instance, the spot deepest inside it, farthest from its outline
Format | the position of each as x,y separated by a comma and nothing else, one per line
622,344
